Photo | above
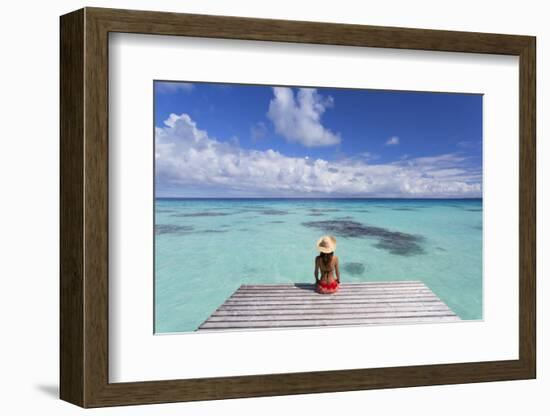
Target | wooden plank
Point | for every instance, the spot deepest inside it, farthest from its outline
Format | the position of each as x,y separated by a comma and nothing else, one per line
318,311
295,324
352,307
335,295
329,302
341,293
366,284
332,299
342,289
292,286
298,284
328,317
298,305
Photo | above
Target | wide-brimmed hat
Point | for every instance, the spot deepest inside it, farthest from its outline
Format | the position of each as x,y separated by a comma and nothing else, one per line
326,244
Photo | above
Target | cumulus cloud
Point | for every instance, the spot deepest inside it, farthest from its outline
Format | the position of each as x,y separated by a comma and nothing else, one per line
188,159
392,141
173,87
298,117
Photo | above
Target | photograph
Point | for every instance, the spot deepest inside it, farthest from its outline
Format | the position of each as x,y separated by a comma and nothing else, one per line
283,206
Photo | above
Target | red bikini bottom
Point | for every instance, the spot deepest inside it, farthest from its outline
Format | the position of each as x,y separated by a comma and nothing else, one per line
331,287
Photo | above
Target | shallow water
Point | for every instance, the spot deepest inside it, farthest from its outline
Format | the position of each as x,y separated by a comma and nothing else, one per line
206,248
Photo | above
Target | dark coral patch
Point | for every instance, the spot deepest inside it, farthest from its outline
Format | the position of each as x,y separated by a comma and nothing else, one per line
395,242
202,214
355,269
273,212
172,229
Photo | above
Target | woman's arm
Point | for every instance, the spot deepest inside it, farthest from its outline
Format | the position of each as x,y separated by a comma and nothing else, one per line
337,268
316,272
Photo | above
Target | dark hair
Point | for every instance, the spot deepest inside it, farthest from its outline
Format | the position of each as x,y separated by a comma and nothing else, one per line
326,257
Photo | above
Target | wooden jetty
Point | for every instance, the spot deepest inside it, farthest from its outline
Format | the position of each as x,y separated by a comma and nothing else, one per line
298,305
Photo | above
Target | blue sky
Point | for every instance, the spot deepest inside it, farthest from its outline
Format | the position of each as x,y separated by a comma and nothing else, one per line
231,140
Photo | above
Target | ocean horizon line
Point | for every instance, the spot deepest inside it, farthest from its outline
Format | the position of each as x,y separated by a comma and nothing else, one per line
323,198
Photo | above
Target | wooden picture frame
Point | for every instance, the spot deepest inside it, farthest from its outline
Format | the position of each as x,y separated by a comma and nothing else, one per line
84,207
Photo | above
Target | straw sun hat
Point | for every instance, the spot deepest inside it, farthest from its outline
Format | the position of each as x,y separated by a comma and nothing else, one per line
326,244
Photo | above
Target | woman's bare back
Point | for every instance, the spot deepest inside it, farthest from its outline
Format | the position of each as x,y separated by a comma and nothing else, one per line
327,270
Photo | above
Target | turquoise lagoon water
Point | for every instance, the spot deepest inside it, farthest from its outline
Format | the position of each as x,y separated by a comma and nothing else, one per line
206,248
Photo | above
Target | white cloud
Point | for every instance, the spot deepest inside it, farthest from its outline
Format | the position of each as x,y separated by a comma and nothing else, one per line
392,141
298,118
258,131
173,87
189,160
368,156
469,144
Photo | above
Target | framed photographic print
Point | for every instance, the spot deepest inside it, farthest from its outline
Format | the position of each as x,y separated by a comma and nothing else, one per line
254,207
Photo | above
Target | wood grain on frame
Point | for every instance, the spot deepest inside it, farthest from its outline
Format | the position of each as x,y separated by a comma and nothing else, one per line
71,213
84,207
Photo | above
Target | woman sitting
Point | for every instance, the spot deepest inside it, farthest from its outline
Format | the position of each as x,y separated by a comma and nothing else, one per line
327,263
